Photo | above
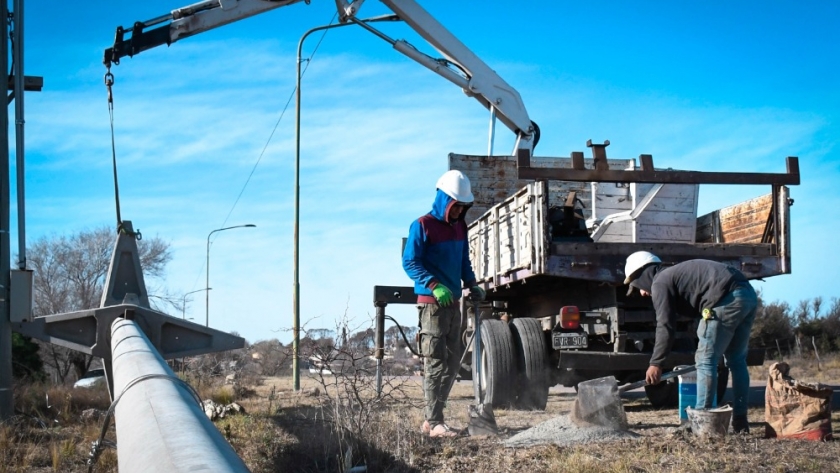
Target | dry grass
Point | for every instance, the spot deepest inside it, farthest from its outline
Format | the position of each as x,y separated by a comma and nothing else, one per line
47,434
805,368
285,431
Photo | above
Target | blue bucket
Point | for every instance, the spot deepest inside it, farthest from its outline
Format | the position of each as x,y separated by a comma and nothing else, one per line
688,393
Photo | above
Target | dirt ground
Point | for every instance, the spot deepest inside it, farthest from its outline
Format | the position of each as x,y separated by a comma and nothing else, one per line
336,424
660,446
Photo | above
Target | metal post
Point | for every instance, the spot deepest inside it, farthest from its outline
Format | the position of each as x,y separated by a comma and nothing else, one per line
477,378
379,352
17,56
6,401
492,133
207,273
296,237
159,423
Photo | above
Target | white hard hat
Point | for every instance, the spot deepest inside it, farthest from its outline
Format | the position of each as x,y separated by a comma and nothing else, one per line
456,184
637,261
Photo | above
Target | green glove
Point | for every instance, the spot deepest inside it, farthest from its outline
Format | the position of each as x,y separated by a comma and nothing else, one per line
478,293
443,295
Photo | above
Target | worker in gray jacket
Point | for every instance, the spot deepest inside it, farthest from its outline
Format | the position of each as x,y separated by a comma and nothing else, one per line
724,301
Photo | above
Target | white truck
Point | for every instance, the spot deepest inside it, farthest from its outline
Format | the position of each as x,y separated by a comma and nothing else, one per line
550,252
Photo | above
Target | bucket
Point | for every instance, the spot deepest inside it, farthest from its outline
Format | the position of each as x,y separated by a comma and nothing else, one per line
688,392
710,422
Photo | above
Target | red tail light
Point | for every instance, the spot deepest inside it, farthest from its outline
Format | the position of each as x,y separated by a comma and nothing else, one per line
569,317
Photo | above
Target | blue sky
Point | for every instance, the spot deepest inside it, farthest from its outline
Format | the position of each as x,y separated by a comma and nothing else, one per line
711,86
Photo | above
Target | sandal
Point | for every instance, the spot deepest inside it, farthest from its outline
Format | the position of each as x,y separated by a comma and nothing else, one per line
443,430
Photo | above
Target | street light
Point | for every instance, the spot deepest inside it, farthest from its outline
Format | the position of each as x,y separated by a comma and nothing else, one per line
184,306
207,279
296,237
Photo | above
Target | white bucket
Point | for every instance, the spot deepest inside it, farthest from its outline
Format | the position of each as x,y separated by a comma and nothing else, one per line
710,422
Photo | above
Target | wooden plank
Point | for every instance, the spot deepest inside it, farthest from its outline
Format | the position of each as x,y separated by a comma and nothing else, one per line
663,233
671,216
500,241
745,222
706,228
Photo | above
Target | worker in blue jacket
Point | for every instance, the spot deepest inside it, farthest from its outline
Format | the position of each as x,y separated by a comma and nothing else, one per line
725,303
436,258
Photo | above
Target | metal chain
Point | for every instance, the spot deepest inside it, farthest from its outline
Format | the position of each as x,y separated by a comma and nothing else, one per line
109,83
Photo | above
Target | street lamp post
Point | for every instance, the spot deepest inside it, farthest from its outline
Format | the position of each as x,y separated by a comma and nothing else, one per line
207,267
184,306
296,237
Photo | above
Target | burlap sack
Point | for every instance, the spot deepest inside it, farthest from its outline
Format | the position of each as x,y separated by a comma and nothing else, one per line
794,409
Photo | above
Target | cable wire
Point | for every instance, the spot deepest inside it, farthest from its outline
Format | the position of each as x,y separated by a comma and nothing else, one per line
96,446
270,136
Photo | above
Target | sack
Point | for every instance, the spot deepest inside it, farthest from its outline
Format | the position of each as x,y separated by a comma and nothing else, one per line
794,409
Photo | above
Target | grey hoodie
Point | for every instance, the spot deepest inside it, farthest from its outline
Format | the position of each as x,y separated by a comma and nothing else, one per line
686,289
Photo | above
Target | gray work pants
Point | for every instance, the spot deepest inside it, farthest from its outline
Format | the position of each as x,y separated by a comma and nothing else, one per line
440,342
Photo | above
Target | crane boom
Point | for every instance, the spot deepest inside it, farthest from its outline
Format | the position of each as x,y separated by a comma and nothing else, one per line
460,65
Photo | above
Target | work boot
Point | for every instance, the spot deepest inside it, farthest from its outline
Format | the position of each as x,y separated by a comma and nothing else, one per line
442,430
740,424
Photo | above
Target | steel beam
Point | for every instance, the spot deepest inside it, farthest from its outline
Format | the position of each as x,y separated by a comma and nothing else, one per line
160,425
125,297
648,174
87,331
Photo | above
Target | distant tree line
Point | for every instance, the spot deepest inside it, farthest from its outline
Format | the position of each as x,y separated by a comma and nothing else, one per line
780,327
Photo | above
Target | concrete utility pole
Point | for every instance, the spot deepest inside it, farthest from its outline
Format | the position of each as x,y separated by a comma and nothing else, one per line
160,425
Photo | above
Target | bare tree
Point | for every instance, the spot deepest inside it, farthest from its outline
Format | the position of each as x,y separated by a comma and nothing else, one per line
70,275
272,357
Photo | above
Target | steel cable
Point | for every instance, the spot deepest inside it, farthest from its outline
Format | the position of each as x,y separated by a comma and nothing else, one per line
97,446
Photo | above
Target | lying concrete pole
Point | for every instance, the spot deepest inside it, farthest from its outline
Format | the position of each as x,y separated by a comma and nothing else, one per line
160,426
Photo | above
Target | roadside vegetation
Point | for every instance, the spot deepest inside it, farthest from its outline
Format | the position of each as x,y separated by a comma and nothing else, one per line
336,422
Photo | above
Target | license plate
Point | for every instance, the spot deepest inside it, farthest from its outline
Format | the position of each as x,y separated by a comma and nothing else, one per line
570,340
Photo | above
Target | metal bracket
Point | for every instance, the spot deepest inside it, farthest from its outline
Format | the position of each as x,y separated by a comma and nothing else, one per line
88,332
384,295
125,296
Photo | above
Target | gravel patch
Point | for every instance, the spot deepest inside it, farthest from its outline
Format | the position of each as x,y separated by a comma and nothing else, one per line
562,431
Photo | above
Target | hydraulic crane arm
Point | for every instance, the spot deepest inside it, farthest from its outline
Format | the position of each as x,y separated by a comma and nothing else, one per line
185,22
476,78
460,66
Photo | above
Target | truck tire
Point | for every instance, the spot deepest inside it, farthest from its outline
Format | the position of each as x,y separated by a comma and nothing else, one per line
531,363
497,362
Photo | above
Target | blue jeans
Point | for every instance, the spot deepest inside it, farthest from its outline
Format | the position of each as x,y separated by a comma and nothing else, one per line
727,334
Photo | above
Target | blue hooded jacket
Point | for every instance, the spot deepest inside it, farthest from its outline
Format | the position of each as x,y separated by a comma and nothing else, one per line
437,251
